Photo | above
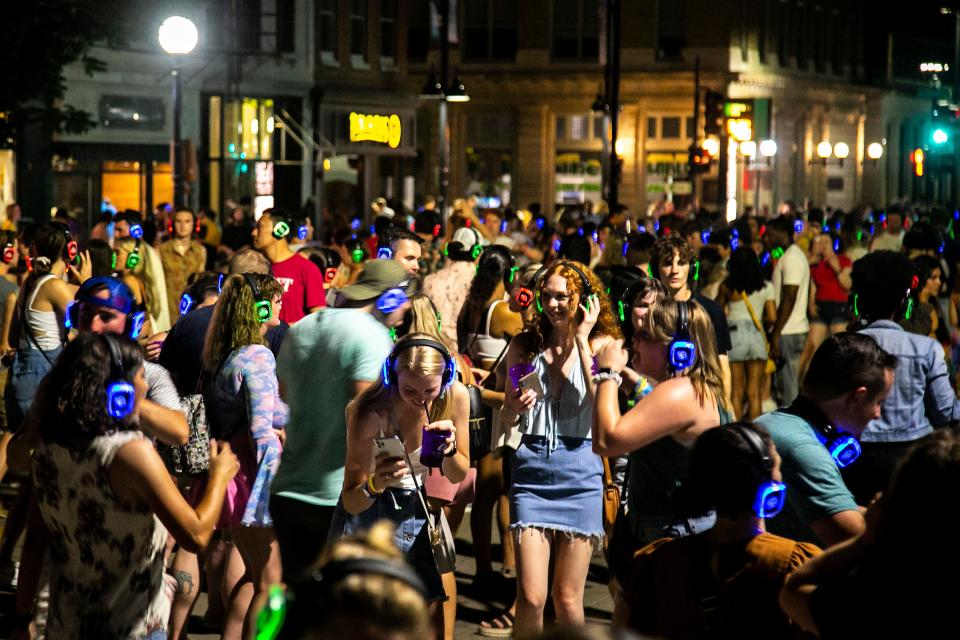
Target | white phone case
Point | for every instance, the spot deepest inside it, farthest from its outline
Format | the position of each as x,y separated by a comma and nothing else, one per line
390,447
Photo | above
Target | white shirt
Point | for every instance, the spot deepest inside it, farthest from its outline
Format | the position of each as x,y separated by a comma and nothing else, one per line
793,269
737,309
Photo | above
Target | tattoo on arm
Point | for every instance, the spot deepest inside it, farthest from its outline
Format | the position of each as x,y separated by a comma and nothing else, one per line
184,581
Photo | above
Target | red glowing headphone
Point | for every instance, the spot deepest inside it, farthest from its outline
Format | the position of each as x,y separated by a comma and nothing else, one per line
525,296
196,227
9,253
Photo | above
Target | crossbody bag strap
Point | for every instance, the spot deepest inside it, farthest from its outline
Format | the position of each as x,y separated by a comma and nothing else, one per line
607,473
420,491
753,316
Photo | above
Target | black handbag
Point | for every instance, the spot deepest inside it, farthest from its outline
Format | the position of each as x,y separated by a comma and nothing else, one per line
480,422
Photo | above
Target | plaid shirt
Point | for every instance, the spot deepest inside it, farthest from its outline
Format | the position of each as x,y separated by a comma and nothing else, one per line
921,397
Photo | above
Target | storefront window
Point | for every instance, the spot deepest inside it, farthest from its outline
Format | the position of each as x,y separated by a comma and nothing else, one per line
241,133
122,185
578,177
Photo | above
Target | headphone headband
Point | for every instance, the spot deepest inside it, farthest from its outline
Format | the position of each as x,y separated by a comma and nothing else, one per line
756,445
262,308
450,365
771,495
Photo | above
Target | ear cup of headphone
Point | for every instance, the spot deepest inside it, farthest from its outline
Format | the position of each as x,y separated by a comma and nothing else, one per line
281,229
391,300
683,353
121,394
524,297
9,254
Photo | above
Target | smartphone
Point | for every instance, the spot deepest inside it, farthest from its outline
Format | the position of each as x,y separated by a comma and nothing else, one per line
390,447
531,381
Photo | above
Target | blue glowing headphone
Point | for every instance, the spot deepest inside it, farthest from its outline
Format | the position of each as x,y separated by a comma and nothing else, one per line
121,395
389,365
771,495
384,253
199,288
843,447
136,230
393,298
302,232
683,353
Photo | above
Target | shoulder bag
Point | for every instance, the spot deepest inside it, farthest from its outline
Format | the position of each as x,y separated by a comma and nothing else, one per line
193,458
611,500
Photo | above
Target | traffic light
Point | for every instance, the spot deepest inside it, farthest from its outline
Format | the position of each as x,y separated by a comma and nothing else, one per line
699,160
713,113
939,136
917,158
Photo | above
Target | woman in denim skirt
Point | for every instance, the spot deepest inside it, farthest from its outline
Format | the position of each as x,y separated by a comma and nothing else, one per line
556,496
417,391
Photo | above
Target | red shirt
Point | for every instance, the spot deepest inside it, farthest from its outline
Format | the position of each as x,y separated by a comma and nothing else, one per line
829,288
302,285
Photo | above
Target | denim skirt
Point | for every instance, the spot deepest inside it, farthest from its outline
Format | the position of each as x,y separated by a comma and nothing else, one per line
411,534
746,342
559,490
29,368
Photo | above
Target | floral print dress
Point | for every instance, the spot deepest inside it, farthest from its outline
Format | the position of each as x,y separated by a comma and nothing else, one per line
105,555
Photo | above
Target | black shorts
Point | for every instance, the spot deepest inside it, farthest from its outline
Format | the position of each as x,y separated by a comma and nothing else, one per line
829,312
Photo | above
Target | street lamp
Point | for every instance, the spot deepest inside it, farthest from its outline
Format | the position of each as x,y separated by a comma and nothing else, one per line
768,148
874,151
824,149
841,151
178,36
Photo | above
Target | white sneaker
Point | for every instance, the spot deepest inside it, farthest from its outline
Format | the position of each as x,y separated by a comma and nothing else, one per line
8,575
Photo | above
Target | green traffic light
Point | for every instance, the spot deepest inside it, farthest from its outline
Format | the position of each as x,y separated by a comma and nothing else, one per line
940,136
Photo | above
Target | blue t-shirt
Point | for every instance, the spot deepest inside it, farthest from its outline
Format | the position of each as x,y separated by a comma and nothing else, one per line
322,356
815,488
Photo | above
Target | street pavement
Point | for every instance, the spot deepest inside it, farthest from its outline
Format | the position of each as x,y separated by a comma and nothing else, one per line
473,607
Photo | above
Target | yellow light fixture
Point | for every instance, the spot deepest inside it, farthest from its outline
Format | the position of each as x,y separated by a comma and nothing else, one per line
841,150
748,148
824,149
874,150
712,147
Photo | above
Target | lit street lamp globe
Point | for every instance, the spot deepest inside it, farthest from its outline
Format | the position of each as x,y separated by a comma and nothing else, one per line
874,150
768,148
748,148
841,150
824,149
178,35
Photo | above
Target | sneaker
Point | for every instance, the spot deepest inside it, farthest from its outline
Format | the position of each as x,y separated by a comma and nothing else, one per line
8,575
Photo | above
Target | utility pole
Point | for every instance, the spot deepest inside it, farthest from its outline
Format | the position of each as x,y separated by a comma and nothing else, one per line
613,97
444,125
695,177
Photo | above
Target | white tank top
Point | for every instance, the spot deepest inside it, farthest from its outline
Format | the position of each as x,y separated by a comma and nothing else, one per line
43,326
485,346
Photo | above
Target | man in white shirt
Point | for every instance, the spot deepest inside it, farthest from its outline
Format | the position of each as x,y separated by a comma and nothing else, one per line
892,238
791,286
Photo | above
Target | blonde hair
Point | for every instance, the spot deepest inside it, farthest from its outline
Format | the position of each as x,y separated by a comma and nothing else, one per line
145,272
370,605
423,360
234,323
705,373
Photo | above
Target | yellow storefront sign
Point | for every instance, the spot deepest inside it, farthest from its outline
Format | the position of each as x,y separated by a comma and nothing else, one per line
375,128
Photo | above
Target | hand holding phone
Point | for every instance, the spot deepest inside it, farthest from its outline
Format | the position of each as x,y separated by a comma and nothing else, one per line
389,447
531,382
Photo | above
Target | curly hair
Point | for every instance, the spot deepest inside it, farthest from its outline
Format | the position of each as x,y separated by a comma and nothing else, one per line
71,403
705,373
234,323
664,249
537,328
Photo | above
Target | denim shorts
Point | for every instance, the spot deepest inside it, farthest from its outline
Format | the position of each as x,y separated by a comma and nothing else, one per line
559,490
747,342
829,312
29,368
411,536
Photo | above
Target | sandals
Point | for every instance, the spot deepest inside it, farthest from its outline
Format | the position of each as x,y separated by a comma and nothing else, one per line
499,627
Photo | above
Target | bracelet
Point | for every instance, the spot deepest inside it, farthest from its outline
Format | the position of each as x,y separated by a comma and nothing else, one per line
369,490
608,375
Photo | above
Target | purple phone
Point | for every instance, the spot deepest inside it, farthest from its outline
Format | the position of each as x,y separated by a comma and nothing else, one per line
518,371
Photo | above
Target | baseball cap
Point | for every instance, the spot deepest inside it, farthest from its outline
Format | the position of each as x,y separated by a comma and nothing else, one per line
467,236
121,297
377,276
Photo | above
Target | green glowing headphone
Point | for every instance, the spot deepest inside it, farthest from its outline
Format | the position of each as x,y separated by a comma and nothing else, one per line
133,258
281,229
262,308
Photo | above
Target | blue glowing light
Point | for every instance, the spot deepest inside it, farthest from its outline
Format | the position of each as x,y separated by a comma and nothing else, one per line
355,224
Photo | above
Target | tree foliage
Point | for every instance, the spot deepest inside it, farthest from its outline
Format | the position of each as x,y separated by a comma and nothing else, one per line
40,38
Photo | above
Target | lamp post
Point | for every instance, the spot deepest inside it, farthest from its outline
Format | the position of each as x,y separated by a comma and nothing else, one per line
178,36
444,91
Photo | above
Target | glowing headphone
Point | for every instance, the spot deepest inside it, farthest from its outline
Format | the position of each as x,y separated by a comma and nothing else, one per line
391,300
771,495
584,295
9,253
389,365
281,228
683,353
133,258
294,610
525,296
627,297
72,249
384,253
136,230
843,447
262,308
121,299
121,395
187,302
302,232
477,247
196,220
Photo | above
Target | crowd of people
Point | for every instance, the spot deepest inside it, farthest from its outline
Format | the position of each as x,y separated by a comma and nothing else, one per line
751,419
